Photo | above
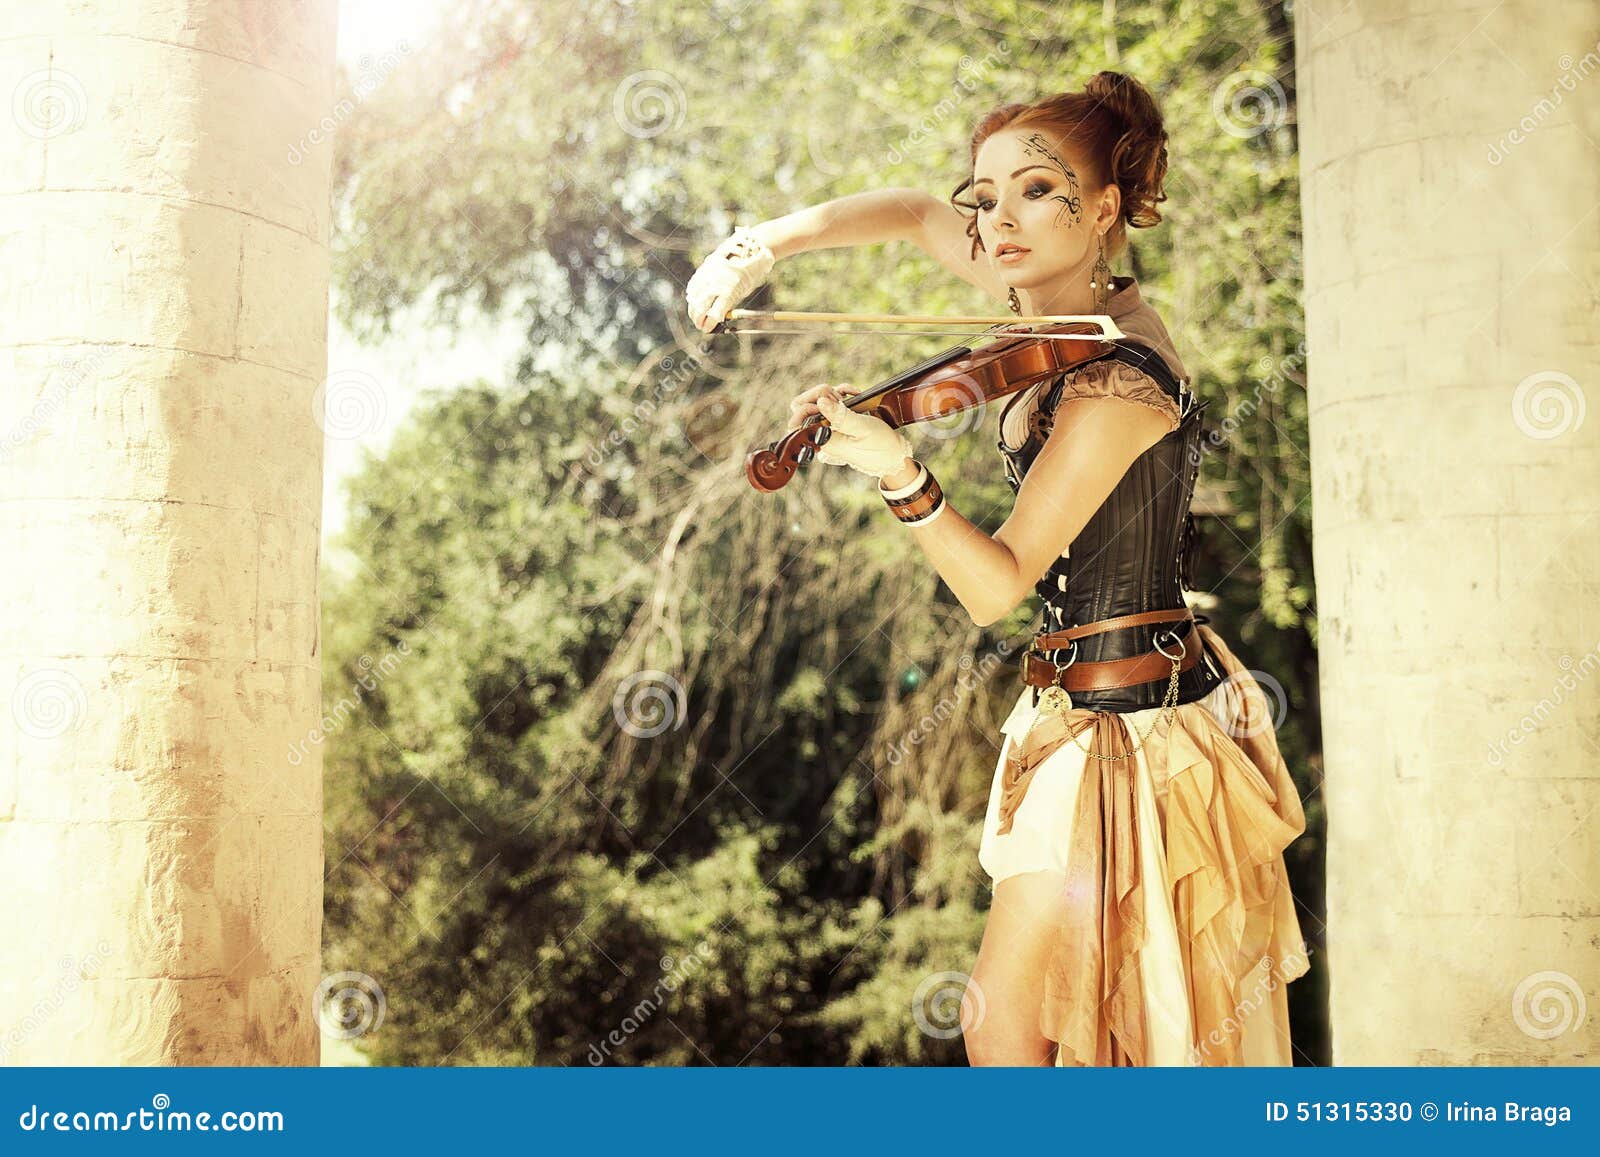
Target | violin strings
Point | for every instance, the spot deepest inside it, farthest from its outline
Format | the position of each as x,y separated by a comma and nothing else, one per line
930,333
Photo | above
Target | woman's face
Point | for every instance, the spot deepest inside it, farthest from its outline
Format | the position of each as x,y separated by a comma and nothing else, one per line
1030,194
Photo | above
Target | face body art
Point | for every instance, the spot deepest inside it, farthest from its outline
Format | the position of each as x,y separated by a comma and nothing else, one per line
1036,146
1048,249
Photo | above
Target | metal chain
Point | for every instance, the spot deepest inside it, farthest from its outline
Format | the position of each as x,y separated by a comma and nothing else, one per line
1050,699
1168,711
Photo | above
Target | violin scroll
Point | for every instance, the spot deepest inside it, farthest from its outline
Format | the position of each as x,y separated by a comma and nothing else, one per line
770,470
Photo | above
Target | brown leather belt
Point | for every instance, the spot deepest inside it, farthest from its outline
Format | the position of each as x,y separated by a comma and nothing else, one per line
1037,671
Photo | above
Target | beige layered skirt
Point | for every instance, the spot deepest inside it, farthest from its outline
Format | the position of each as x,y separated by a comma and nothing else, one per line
1181,932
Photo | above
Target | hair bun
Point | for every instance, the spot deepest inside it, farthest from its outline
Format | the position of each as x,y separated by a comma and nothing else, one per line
1139,159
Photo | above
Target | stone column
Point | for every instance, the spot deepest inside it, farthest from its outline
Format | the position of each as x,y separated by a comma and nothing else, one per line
164,242
1451,172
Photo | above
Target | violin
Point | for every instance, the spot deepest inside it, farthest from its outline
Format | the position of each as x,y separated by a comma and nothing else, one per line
956,379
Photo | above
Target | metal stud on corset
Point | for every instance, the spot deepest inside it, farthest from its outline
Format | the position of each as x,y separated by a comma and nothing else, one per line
1039,425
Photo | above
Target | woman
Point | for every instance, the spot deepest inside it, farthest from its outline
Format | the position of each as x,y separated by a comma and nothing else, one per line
1140,806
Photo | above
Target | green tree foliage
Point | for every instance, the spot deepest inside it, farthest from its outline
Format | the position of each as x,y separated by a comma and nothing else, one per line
661,770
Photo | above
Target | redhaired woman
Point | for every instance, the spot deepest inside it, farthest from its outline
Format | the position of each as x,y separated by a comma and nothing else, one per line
1140,806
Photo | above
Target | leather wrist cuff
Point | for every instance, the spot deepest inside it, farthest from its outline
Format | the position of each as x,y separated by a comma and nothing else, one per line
917,503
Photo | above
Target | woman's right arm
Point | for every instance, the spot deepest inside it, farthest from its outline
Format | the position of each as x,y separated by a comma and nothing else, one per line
898,214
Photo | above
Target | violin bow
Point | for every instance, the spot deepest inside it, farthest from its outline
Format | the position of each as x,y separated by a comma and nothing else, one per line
996,326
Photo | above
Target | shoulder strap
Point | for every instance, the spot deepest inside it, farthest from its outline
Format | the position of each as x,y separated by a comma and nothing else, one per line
1147,359
1140,357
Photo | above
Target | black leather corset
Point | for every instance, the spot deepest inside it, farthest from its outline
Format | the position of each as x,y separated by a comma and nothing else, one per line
1135,551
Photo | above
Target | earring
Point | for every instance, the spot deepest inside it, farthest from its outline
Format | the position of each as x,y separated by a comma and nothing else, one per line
1100,278
1015,301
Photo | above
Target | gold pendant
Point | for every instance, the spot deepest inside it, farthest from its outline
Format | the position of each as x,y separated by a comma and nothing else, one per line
1054,699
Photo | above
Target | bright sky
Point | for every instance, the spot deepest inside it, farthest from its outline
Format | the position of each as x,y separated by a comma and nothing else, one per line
371,27
374,388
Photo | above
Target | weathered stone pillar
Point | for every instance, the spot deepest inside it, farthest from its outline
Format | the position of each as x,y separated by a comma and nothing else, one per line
164,335
1451,171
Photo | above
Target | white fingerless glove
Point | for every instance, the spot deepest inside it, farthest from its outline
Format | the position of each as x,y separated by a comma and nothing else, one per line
733,271
861,441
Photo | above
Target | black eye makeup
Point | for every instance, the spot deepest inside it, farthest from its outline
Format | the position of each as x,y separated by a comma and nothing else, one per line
1033,192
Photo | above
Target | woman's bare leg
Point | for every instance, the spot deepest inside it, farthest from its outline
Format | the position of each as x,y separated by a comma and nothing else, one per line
1007,987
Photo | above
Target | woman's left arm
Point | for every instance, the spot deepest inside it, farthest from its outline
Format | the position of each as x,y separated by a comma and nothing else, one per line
1091,446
